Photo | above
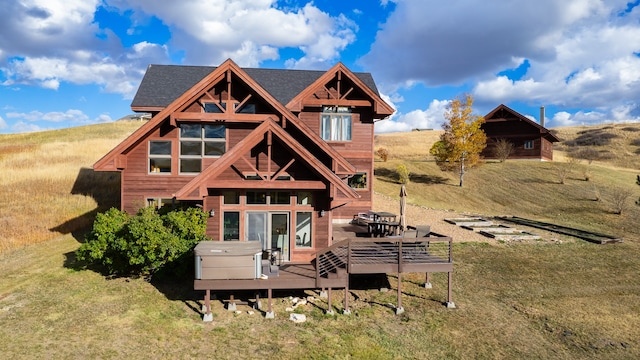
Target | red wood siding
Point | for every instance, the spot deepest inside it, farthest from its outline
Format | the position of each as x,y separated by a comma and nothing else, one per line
358,151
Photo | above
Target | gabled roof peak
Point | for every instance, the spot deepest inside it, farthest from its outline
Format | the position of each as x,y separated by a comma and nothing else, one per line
520,117
162,84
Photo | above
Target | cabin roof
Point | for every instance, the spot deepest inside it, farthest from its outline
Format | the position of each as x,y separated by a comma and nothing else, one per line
162,84
499,114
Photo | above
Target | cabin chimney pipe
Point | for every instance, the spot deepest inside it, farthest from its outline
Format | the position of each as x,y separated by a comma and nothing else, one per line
542,116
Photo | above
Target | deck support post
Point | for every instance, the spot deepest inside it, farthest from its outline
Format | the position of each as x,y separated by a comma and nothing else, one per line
208,316
329,306
231,306
450,304
269,314
427,281
399,308
258,304
346,310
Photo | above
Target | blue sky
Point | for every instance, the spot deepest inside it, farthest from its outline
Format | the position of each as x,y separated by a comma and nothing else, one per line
68,63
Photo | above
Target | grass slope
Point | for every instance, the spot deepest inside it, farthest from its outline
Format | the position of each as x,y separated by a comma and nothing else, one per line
48,183
529,189
529,300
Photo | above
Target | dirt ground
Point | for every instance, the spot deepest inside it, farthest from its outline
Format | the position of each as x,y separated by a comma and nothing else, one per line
418,215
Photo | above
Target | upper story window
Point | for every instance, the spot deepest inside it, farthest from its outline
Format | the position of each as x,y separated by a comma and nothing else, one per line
528,144
214,107
160,156
198,141
336,123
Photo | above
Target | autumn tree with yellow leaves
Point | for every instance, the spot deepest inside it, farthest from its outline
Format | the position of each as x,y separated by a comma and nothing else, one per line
463,140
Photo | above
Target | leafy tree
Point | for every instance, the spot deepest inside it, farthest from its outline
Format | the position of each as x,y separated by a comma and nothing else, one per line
463,140
403,174
383,153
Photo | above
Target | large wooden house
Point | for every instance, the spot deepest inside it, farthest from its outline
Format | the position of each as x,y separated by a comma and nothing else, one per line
530,140
275,156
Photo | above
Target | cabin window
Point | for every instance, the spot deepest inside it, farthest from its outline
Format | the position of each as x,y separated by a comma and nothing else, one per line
273,198
256,197
231,225
305,198
303,229
336,123
231,197
528,145
198,141
157,203
159,156
280,198
172,203
246,109
358,181
217,108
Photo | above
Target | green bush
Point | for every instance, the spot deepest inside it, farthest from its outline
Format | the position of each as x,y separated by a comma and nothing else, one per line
403,174
142,244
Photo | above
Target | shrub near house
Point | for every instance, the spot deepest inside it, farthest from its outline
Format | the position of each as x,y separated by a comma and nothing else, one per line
142,244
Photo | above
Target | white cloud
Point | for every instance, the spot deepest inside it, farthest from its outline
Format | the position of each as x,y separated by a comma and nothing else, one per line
618,114
22,127
56,41
70,117
430,118
3,124
250,31
582,53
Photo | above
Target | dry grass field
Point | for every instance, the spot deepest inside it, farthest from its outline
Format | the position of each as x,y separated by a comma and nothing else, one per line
43,184
535,300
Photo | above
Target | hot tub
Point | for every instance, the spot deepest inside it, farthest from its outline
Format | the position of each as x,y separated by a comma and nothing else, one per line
220,260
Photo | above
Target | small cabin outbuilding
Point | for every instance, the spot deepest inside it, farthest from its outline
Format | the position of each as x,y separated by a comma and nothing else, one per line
530,140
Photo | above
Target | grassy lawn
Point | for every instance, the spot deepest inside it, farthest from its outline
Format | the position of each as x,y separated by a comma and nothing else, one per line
570,300
574,300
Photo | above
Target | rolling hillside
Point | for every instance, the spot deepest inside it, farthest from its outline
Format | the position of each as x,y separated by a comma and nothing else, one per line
530,189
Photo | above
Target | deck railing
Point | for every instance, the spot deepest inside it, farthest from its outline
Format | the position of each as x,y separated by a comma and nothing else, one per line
365,255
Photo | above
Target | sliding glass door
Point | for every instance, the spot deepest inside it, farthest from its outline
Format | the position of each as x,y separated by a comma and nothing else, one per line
271,229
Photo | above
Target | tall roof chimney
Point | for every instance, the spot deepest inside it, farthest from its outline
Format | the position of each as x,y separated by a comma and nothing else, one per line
542,116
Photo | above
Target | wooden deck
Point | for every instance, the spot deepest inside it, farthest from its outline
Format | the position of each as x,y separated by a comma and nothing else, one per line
352,252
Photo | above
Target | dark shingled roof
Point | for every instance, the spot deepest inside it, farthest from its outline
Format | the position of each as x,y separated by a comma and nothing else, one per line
162,84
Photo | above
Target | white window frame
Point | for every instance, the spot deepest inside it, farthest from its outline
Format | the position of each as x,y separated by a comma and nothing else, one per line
336,123
301,230
528,145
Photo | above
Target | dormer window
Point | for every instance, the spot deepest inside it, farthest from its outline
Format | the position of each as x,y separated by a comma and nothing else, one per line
336,123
